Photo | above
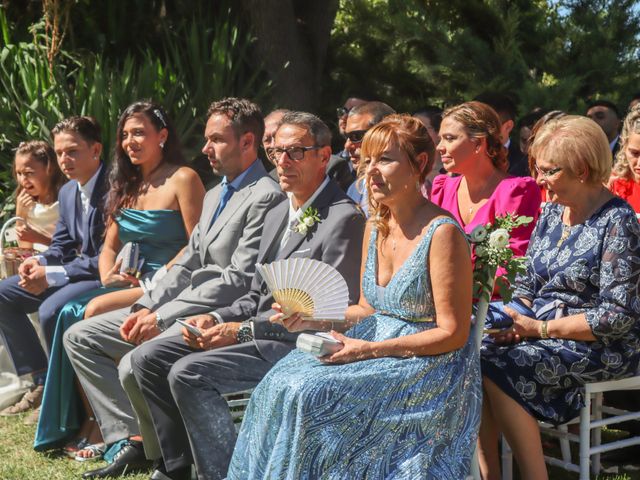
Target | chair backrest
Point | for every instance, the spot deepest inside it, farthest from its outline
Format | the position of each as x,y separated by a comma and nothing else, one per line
7,234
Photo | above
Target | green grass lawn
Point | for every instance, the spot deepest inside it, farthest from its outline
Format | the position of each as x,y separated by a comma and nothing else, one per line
18,460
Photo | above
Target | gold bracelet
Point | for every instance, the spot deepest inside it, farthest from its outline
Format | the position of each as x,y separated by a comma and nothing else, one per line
543,330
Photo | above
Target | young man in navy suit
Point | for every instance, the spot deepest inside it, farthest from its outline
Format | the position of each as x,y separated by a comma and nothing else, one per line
69,267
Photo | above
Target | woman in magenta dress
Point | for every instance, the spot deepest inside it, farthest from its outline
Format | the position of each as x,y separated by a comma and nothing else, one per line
471,147
625,181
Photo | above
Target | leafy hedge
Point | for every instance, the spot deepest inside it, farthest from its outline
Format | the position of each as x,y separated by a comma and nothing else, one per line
195,64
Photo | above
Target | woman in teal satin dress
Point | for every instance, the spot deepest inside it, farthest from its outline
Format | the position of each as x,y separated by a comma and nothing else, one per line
154,201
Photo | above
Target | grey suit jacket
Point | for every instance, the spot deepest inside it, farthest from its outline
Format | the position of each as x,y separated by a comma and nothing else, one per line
336,240
220,259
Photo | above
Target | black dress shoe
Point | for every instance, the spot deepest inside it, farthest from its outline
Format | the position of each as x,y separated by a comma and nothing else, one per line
129,459
160,472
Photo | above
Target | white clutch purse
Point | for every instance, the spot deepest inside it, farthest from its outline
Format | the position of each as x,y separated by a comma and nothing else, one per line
131,261
318,344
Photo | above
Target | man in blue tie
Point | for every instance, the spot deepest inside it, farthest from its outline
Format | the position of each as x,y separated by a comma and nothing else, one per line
69,267
215,269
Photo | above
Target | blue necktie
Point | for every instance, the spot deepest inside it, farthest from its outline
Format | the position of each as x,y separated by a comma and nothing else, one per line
225,195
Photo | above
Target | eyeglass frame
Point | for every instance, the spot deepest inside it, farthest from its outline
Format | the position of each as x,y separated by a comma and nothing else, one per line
548,173
275,152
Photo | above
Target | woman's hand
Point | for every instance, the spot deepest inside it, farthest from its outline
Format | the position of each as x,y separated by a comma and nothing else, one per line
523,327
296,322
24,203
114,278
354,350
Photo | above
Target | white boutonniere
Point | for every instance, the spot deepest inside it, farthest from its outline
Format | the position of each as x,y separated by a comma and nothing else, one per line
307,220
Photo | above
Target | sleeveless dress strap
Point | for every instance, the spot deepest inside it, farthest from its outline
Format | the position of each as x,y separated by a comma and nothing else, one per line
426,240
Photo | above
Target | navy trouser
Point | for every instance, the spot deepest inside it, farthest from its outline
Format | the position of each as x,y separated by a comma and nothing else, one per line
20,337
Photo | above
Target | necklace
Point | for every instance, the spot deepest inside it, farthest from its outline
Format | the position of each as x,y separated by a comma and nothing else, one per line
566,230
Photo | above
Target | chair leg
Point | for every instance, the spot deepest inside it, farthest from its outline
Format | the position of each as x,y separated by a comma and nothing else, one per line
597,432
507,460
585,437
565,446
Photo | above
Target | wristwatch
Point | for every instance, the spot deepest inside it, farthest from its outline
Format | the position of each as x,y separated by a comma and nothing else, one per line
245,332
160,323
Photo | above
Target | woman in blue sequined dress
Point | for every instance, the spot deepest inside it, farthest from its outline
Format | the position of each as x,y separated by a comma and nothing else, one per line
576,318
155,201
402,399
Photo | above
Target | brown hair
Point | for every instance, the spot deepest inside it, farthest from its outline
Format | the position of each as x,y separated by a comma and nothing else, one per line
631,125
481,121
43,153
125,178
87,127
412,137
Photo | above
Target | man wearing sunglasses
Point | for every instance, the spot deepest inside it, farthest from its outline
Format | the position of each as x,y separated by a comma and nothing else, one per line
359,121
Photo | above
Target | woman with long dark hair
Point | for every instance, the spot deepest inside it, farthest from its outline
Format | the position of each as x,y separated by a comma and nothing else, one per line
154,201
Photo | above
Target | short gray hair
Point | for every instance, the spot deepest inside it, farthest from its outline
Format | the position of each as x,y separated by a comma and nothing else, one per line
316,127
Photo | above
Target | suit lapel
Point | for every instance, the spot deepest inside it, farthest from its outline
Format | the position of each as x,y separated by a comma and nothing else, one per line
235,202
74,202
322,201
94,208
242,194
271,233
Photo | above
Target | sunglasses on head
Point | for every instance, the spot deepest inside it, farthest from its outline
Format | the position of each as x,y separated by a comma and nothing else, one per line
342,111
355,136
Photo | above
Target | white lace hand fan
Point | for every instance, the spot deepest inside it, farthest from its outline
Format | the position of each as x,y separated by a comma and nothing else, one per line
310,287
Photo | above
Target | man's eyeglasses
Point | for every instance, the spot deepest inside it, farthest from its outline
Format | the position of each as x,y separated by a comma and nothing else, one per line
294,153
355,136
547,173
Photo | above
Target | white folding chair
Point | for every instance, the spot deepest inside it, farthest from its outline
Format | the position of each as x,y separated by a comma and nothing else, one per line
593,416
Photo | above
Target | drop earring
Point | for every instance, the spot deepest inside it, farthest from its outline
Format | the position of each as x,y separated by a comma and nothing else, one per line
161,144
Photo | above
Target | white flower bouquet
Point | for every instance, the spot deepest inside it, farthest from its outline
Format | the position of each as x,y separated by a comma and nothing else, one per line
490,243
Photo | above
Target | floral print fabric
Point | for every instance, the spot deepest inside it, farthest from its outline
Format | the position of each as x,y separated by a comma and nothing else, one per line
594,269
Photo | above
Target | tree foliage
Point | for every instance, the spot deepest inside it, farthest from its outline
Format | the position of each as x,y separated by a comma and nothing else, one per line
192,63
551,54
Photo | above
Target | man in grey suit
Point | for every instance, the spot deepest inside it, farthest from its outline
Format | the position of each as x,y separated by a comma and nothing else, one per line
182,377
216,268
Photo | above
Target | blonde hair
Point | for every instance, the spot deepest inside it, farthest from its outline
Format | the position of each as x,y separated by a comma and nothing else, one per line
631,125
411,137
481,121
575,143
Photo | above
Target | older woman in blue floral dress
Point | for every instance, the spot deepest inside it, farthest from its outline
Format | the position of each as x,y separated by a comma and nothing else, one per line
576,318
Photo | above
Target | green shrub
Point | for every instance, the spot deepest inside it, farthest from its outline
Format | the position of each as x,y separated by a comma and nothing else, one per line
198,62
